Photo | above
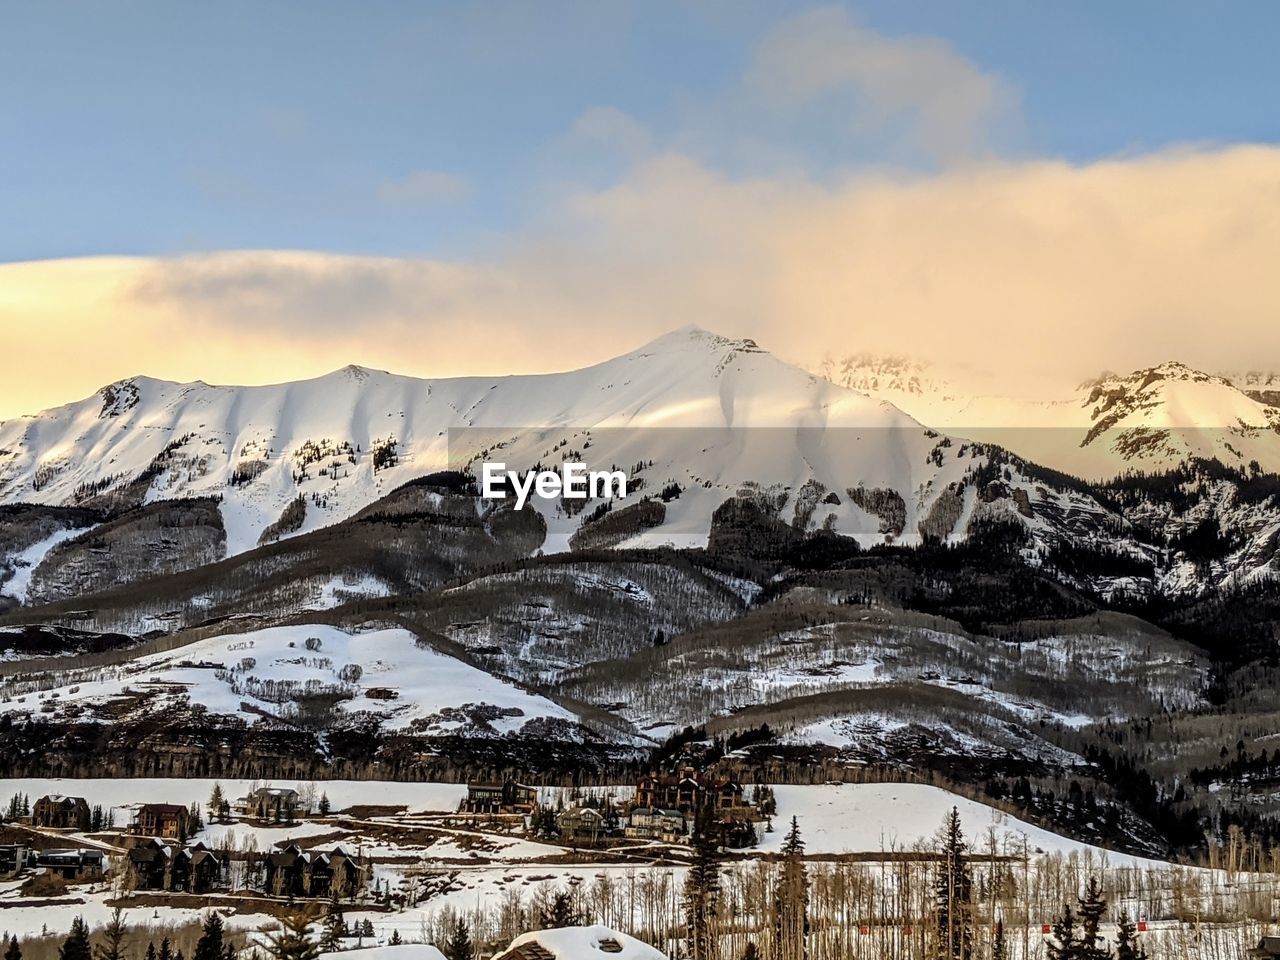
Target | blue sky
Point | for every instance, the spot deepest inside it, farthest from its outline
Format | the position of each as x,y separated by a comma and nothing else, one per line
1023,192
443,129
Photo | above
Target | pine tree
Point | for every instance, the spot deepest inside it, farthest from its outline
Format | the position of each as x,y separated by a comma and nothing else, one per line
195,818
216,801
334,928
953,893
1093,906
76,946
1128,946
702,888
210,945
559,913
112,938
166,949
395,938
151,951
12,951
323,806
459,946
1064,945
791,900
293,941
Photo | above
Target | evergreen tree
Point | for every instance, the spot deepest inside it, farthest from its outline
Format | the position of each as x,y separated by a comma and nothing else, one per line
395,938
791,900
216,801
293,941
750,951
459,946
1128,946
366,928
166,950
702,887
559,913
334,928
76,945
323,806
1093,906
195,818
12,951
111,947
1063,946
953,893
210,945
151,951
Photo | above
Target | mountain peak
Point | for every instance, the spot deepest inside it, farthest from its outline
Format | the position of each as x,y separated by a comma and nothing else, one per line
692,335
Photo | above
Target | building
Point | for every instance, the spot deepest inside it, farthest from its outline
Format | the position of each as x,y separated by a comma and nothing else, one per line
581,825
687,790
508,797
156,865
649,823
170,821
13,860
61,813
73,864
277,804
1268,948
579,943
294,872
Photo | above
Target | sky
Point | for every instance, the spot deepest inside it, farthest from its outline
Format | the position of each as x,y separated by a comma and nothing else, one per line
249,192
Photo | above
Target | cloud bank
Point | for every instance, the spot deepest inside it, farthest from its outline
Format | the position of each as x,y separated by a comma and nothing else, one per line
1040,273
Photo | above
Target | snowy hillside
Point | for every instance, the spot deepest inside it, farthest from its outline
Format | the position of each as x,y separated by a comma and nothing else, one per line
307,675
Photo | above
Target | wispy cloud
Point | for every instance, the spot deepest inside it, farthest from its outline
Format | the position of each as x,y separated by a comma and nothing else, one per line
872,82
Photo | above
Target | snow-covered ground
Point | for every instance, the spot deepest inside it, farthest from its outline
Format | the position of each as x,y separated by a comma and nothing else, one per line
269,670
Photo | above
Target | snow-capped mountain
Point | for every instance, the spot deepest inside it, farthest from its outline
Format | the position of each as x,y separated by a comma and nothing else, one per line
696,419
345,439
1150,420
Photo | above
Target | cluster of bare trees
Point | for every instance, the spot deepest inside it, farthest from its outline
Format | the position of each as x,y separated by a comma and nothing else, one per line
986,898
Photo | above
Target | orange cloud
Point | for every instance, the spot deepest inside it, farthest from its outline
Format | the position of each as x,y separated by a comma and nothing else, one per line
1038,272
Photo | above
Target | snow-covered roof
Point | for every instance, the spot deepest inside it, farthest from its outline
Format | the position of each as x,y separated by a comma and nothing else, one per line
583,943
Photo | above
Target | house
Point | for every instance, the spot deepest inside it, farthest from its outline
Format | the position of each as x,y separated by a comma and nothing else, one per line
579,943
62,813
650,823
581,824
277,804
149,865
1268,948
168,820
157,865
687,790
13,860
294,872
73,864
508,797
